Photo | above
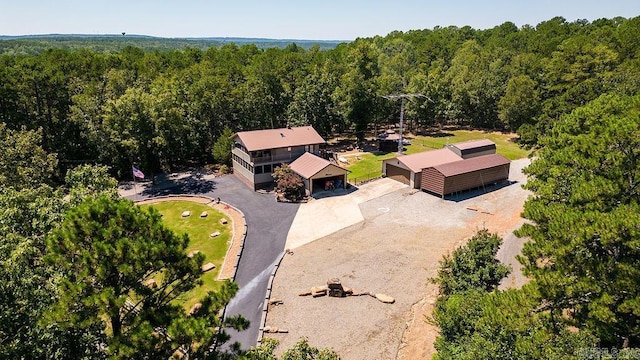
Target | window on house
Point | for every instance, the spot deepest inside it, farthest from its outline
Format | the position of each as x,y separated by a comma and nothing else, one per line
258,169
267,169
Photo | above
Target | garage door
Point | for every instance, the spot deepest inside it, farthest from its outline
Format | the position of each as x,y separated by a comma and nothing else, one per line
398,174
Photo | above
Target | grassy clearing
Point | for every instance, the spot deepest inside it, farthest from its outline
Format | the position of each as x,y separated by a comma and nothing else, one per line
198,229
369,165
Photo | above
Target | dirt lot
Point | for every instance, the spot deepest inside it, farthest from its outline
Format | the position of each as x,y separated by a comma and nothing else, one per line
393,251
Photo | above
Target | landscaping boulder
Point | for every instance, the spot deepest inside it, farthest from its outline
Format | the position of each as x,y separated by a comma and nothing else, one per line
276,301
223,221
207,267
204,214
214,234
186,213
273,330
195,308
385,298
151,283
193,253
317,291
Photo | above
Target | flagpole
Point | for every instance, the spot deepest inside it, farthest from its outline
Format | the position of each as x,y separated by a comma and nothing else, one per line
135,191
136,174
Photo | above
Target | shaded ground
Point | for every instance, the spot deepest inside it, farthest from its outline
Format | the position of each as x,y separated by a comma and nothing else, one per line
268,224
394,251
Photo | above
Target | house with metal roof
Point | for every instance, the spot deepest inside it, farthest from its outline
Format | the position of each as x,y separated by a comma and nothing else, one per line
256,154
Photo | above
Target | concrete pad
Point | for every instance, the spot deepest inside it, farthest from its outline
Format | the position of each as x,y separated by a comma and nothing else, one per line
376,188
321,217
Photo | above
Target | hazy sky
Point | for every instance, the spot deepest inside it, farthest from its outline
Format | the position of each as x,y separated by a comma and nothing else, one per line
288,19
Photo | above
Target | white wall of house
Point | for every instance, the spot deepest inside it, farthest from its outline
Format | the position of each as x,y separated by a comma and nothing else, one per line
241,154
241,170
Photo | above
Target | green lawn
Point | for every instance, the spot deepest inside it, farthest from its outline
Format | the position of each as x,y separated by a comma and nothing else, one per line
198,229
370,165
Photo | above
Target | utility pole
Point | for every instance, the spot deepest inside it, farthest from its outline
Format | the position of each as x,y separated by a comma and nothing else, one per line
402,98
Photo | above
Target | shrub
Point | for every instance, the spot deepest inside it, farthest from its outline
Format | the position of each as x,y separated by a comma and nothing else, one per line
289,183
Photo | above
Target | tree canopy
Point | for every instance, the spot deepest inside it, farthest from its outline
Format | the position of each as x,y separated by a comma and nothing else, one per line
477,321
161,108
569,89
108,251
473,266
582,256
586,219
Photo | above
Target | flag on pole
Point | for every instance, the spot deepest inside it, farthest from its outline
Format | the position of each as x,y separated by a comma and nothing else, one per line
137,173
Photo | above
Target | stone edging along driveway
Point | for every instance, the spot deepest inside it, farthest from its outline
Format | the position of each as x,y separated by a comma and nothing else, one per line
239,228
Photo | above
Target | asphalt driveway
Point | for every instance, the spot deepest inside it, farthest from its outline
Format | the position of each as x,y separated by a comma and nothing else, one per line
268,223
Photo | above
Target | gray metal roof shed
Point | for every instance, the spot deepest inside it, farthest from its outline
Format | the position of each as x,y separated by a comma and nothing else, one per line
473,148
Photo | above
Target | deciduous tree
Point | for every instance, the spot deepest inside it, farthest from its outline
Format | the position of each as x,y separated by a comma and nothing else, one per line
289,182
473,266
23,162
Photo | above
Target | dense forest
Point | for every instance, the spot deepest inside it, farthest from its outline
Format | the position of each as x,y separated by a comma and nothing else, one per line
70,120
36,44
166,109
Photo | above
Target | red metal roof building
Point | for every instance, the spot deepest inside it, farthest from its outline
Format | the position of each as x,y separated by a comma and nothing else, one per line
473,148
279,138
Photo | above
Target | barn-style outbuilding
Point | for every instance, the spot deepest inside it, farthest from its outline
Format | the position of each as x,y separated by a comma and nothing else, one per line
465,174
456,167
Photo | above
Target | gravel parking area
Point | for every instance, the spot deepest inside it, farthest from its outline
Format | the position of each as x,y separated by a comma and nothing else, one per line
394,251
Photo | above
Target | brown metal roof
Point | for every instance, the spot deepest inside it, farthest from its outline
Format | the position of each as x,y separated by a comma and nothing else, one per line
279,138
308,165
419,161
471,164
473,144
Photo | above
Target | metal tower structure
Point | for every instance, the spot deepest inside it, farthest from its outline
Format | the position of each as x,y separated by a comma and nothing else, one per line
402,98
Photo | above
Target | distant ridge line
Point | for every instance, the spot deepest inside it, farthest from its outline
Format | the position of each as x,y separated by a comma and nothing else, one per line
207,38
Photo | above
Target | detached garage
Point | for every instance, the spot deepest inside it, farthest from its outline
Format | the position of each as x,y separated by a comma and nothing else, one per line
317,173
398,173
465,174
407,169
